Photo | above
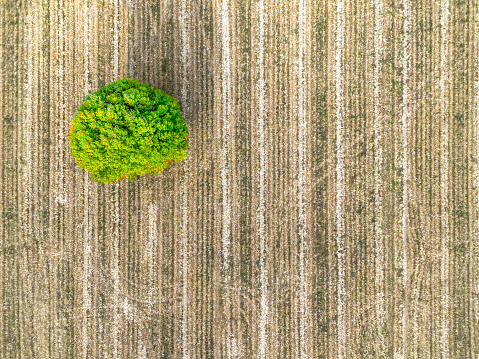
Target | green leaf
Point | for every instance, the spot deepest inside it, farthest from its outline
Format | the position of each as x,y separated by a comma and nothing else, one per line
123,126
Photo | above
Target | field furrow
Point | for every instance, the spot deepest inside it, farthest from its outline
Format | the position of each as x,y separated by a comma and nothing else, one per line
473,272
319,154
444,176
114,194
401,255
378,180
264,302
26,198
184,25
114,236
339,181
2,173
229,341
304,181
401,258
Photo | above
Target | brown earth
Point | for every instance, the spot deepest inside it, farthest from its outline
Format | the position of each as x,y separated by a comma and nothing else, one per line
327,207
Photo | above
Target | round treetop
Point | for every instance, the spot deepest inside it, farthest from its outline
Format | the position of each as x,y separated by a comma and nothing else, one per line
126,129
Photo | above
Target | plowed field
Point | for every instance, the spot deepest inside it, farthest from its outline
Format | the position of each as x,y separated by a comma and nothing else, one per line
327,208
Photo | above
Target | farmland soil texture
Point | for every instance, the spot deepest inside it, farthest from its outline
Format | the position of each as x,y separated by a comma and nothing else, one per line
328,206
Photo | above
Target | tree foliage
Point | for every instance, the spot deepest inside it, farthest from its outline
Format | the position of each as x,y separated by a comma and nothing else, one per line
127,129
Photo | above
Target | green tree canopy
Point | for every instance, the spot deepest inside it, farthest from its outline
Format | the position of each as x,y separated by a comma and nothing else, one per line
127,129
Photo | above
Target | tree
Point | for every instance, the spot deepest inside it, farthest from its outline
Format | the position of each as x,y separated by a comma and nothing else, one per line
126,129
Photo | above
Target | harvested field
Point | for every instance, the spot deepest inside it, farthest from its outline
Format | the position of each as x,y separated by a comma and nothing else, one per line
328,206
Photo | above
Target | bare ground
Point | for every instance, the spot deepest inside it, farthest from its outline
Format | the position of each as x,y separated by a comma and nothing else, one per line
327,207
